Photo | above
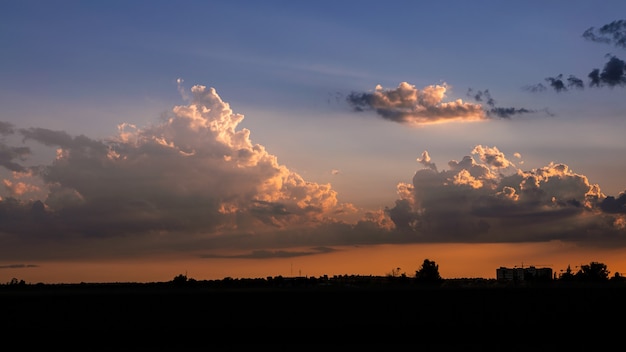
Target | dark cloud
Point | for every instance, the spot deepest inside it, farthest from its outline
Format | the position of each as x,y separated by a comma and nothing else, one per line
575,82
535,88
268,254
612,33
614,205
481,96
558,84
63,139
509,112
492,109
6,128
18,266
10,155
611,75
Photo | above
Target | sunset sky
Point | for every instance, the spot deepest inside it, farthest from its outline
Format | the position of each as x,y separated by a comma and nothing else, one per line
144,139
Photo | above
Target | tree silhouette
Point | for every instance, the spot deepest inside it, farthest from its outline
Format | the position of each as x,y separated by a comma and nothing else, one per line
593,272
15,282
396,273
428,273
180,280
617,277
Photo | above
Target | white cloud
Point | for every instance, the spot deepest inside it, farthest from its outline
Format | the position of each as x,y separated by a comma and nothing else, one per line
492,157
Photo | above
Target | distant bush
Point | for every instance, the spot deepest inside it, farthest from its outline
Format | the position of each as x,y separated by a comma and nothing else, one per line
428,273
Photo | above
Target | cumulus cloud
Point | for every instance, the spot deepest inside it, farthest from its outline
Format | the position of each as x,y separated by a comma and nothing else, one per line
195,182
492,157
489,199
425,160
407,104
194,174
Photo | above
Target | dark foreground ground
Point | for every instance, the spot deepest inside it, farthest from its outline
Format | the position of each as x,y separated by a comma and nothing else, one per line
433,316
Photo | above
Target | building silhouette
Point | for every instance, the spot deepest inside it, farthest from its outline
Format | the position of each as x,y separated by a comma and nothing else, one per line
530,273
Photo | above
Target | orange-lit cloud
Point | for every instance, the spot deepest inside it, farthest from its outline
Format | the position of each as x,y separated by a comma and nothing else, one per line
195,182
494,201
194,174
407,104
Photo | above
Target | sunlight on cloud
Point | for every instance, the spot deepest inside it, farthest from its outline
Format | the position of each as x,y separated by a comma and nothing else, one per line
195,182
494,201
195,172
407,104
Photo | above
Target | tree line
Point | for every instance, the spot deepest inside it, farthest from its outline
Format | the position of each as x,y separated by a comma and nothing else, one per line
426,274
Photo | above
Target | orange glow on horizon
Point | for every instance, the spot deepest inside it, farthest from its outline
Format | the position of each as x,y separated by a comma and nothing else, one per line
454,260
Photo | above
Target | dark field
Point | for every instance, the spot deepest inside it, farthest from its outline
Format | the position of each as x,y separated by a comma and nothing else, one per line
313,313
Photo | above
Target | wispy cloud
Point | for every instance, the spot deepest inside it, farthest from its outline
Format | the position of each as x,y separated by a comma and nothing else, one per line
267,254
610,33
18,266
484,96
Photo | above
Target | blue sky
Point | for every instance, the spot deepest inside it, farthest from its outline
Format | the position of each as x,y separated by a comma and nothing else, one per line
303,78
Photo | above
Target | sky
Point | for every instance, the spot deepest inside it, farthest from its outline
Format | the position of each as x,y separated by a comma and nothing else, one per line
144,139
